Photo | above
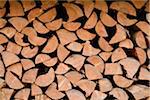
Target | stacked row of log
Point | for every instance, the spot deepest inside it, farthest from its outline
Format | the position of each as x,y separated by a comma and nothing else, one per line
74,50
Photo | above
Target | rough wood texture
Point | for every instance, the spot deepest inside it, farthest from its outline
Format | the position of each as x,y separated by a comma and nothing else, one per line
74,49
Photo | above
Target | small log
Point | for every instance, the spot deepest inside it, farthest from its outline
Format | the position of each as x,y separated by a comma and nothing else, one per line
36,41
51,62
23,94
92,73
76,61
102,85
15,9
35,90
144,74
51,48
16,68
34,13
19,39
131,65
73,93
118,54
62,52
71,26
74,77
127,43
40,58
73,11
87,86
120,35
85,35
14,48
119,93
107,20
3,39
9,58
63,83
112,69
28,52
123,20
62,68
122,81
28,5
48,16
100,29
54,25
105,55
89,50
39,27
144,26
65,36
27,64
12,81
101,5
30,76
124,7
141,54
138,4
18,22
98,95
104,45
8,31
139,91
97,62
88,8
140,40
7,93
53,93
75,46
45,79
91,22
48,4
29,31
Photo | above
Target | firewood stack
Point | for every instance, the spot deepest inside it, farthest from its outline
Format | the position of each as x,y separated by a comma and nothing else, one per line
74,50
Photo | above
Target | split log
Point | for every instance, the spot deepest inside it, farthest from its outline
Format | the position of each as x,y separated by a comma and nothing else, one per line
48,16
87,86
65,36
73,93
119,94
54,25
73,11
18,22
74,77
102,85
98,95
112,69
131,65
76,61
45,79
91,72
85,35
62,68
53,93
71,26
